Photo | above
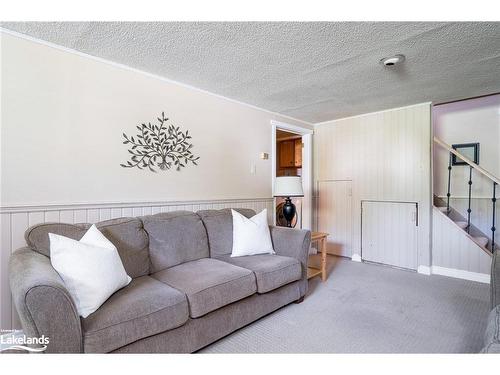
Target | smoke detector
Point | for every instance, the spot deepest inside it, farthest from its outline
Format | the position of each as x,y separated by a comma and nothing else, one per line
392,60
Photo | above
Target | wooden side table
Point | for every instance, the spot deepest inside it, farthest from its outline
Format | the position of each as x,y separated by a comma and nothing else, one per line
319,237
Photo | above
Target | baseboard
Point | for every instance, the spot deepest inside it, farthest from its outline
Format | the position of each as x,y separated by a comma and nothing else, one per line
356,258
452,272
461,274
424,270
443,271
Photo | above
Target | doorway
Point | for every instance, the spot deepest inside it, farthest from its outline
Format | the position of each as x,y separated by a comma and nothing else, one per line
292,156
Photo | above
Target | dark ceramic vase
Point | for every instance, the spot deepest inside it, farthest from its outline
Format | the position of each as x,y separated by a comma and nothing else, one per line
289,211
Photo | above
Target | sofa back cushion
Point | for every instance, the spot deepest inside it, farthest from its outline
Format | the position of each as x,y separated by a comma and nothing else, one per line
37,236
219,226
127,234
131,240
174,238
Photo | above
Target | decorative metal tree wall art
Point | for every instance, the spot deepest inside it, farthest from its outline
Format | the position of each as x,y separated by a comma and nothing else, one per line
161,146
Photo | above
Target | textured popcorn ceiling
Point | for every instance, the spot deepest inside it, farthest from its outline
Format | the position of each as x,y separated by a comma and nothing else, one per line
312,71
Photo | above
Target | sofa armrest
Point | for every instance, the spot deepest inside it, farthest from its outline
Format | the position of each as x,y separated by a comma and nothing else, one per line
44,305
491,339
495,280
294,243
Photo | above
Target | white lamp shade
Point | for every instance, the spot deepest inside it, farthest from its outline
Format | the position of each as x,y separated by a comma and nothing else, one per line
288,186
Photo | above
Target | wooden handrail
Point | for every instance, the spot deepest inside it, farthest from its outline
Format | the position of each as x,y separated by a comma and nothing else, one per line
468,161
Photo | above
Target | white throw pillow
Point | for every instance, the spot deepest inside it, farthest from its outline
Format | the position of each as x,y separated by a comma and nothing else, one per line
90,268
251,236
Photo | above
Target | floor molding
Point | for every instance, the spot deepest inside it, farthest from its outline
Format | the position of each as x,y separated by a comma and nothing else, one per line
461,274
356,258
424,270
450,272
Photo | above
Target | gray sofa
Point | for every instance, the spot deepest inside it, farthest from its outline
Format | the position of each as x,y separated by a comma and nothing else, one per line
492,336
186,291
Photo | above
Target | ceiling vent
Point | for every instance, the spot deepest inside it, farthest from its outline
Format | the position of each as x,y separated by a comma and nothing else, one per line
393,60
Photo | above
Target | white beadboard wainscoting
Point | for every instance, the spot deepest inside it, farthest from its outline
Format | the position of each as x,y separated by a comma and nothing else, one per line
16,219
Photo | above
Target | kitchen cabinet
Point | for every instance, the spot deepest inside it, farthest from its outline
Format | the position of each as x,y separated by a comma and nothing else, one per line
298,153
290,153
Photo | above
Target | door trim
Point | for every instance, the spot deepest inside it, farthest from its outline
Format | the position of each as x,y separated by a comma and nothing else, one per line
307,168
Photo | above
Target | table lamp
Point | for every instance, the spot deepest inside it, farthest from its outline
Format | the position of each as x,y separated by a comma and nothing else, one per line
288,187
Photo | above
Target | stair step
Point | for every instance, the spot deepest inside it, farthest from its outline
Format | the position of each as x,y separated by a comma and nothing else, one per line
481,241
461,224
443,209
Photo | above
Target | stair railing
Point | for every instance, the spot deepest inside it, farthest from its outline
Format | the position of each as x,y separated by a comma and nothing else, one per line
495,180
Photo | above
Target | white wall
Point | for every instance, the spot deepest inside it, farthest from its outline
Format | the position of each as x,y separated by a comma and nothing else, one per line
469,121
62,119
386,155
63,116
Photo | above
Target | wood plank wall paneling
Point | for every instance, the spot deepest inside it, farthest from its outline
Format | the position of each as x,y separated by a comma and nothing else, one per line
387,155
389,233
452,247
5,250
15,220
335,215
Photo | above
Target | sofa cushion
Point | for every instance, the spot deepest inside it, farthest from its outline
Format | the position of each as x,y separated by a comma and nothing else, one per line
174,238
90,268
271,271
129,237
219,226
143,308
126,233
37,236
492,335
209,283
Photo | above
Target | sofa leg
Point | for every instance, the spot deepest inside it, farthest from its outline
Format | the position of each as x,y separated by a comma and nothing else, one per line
300,300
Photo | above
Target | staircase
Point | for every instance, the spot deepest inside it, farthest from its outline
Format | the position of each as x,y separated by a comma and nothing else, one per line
484,241
475,234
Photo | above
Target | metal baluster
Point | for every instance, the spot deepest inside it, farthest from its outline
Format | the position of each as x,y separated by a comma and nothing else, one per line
468,209
493,229
449,186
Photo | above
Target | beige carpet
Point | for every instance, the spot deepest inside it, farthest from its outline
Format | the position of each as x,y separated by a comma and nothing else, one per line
366,308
